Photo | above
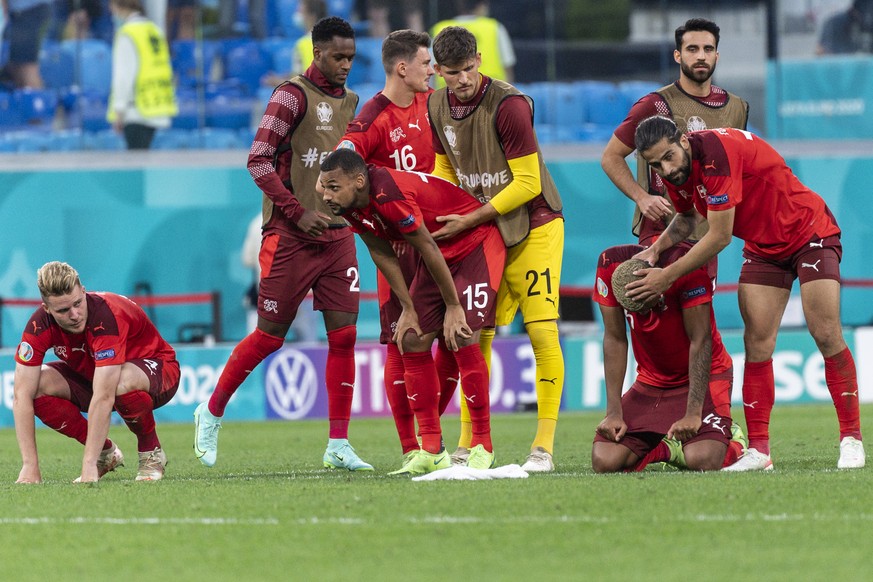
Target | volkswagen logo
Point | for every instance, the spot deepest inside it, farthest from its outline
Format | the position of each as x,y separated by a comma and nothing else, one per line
291,384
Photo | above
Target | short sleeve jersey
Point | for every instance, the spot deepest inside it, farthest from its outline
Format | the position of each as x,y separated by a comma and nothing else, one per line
775,213
391,136
402,202
660,343
117,331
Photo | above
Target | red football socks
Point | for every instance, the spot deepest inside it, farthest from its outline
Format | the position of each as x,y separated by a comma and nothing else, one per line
759,393
339,376
251,351
62,416
842,381
137,411
395,389
422,391
447,372
474,377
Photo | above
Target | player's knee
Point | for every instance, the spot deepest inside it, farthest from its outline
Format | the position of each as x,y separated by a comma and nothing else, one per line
604,461
543,334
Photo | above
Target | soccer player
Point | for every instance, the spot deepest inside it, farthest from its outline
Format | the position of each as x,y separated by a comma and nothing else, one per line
303,247
485,142
452,291
744,188
392,131
682,369
694,103
110,356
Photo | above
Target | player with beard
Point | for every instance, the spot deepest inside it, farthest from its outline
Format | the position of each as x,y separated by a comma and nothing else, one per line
392,131
694,103
669,414
452,291
744,188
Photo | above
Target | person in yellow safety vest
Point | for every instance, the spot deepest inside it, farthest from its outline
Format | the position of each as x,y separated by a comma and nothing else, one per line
143,98
495,46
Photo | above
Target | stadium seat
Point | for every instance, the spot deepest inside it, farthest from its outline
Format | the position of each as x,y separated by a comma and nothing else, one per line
365,92
604,102
367,67
285,10
229,112
631,91
247,63
32,141
174,139
190,66
570,109
36,106
56,65
9,114
213,138
281,52
94,63
106,139
189,111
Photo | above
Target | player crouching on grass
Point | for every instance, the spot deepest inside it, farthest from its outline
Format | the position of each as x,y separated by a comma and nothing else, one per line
110,357
678,409
452,291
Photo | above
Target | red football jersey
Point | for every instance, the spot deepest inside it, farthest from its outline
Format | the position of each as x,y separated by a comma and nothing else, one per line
775,213
117,330
658,336
401,202
391,136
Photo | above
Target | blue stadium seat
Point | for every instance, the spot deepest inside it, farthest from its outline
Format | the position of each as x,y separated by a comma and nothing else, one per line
229,112
633,90
367,67
285,10
174,139
36,106
189,111
366,91
605,103
184,55
570,106
67,140
213,138
10,117
248,63
32,141
94,59
106,139
543,98
341,8
56,65
280,51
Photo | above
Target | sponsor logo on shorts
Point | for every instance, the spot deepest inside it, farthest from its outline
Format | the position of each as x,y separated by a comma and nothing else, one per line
291,384
717,200
25,352
104,354
696,292
408,221
346,145
602,287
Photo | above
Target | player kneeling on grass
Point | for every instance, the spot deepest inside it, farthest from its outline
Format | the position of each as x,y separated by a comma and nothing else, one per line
110,357
452,291
678,409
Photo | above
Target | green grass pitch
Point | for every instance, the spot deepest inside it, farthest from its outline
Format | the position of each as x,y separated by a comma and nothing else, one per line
268,511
